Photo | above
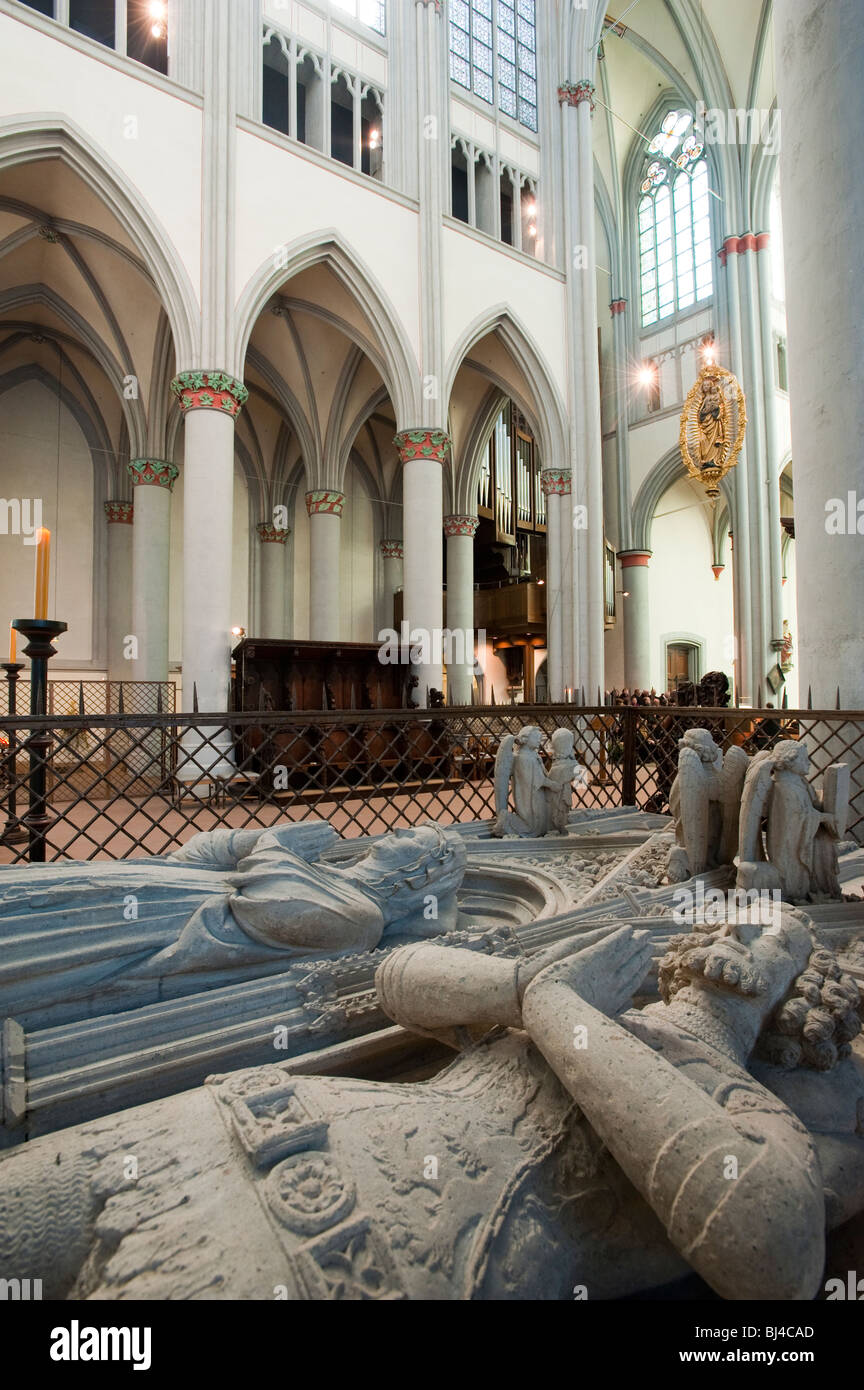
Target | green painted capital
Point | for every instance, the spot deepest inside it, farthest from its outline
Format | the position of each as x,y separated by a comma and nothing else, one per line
153,473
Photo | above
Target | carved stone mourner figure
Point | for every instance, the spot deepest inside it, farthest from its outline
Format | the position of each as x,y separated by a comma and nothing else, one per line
803,826
78,939
577,1148
542,801
704,802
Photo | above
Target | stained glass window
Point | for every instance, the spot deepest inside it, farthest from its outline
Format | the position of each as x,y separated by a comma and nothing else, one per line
493,53
674,222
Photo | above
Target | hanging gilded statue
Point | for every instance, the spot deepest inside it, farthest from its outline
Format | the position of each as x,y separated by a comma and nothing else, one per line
712,427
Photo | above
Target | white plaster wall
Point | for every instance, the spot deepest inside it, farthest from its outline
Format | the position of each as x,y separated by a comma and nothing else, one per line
300,197
685,599
478,278
153,137
29,468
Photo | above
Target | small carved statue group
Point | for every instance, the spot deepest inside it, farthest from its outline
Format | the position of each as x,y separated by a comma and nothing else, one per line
764,810
542,798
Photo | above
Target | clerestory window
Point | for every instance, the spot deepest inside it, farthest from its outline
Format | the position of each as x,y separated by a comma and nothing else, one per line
675,251
493,53
370,12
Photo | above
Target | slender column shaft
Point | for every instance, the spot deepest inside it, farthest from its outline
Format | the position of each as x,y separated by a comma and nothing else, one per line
325,539
570,587
637,618
772,459
744,665
554,581
423,453
271,622
120,516
392,555
460,532
153,480
210,402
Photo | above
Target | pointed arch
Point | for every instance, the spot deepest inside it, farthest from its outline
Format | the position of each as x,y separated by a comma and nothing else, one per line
53,136
546,413
663,475
329,248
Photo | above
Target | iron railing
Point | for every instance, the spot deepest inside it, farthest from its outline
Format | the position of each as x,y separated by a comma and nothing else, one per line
70,697
120,786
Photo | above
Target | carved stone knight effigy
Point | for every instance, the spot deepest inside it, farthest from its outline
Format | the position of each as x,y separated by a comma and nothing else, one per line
556,1167
90,938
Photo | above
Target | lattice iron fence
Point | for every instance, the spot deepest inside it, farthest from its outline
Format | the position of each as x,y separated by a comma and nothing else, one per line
120,786
97,697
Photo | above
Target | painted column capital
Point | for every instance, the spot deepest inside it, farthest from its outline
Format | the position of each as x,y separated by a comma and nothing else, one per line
555,482
210,391
435,3
422,444
574,93
461,525
153,473
617,306
120,512
321,502
633,559
392,550
267,532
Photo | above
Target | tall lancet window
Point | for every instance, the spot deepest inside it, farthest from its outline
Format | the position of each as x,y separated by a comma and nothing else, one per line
493,53
675,256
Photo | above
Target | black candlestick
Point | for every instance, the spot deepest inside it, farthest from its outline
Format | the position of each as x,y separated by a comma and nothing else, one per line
40,634
14,833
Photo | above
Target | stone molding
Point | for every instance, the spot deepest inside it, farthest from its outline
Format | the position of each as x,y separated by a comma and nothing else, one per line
556,482
740,245
153,473
461,525
631,559
422,444
321,502
120,511
210,391
267,532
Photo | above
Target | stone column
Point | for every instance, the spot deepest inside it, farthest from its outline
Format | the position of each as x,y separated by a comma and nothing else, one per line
570,587
423,453
577,105
637,618
271,622
119,625
324,509
771,482
153,482
392,555
820,58
423,441
211,402
460,532
618,308
747,657
552,482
